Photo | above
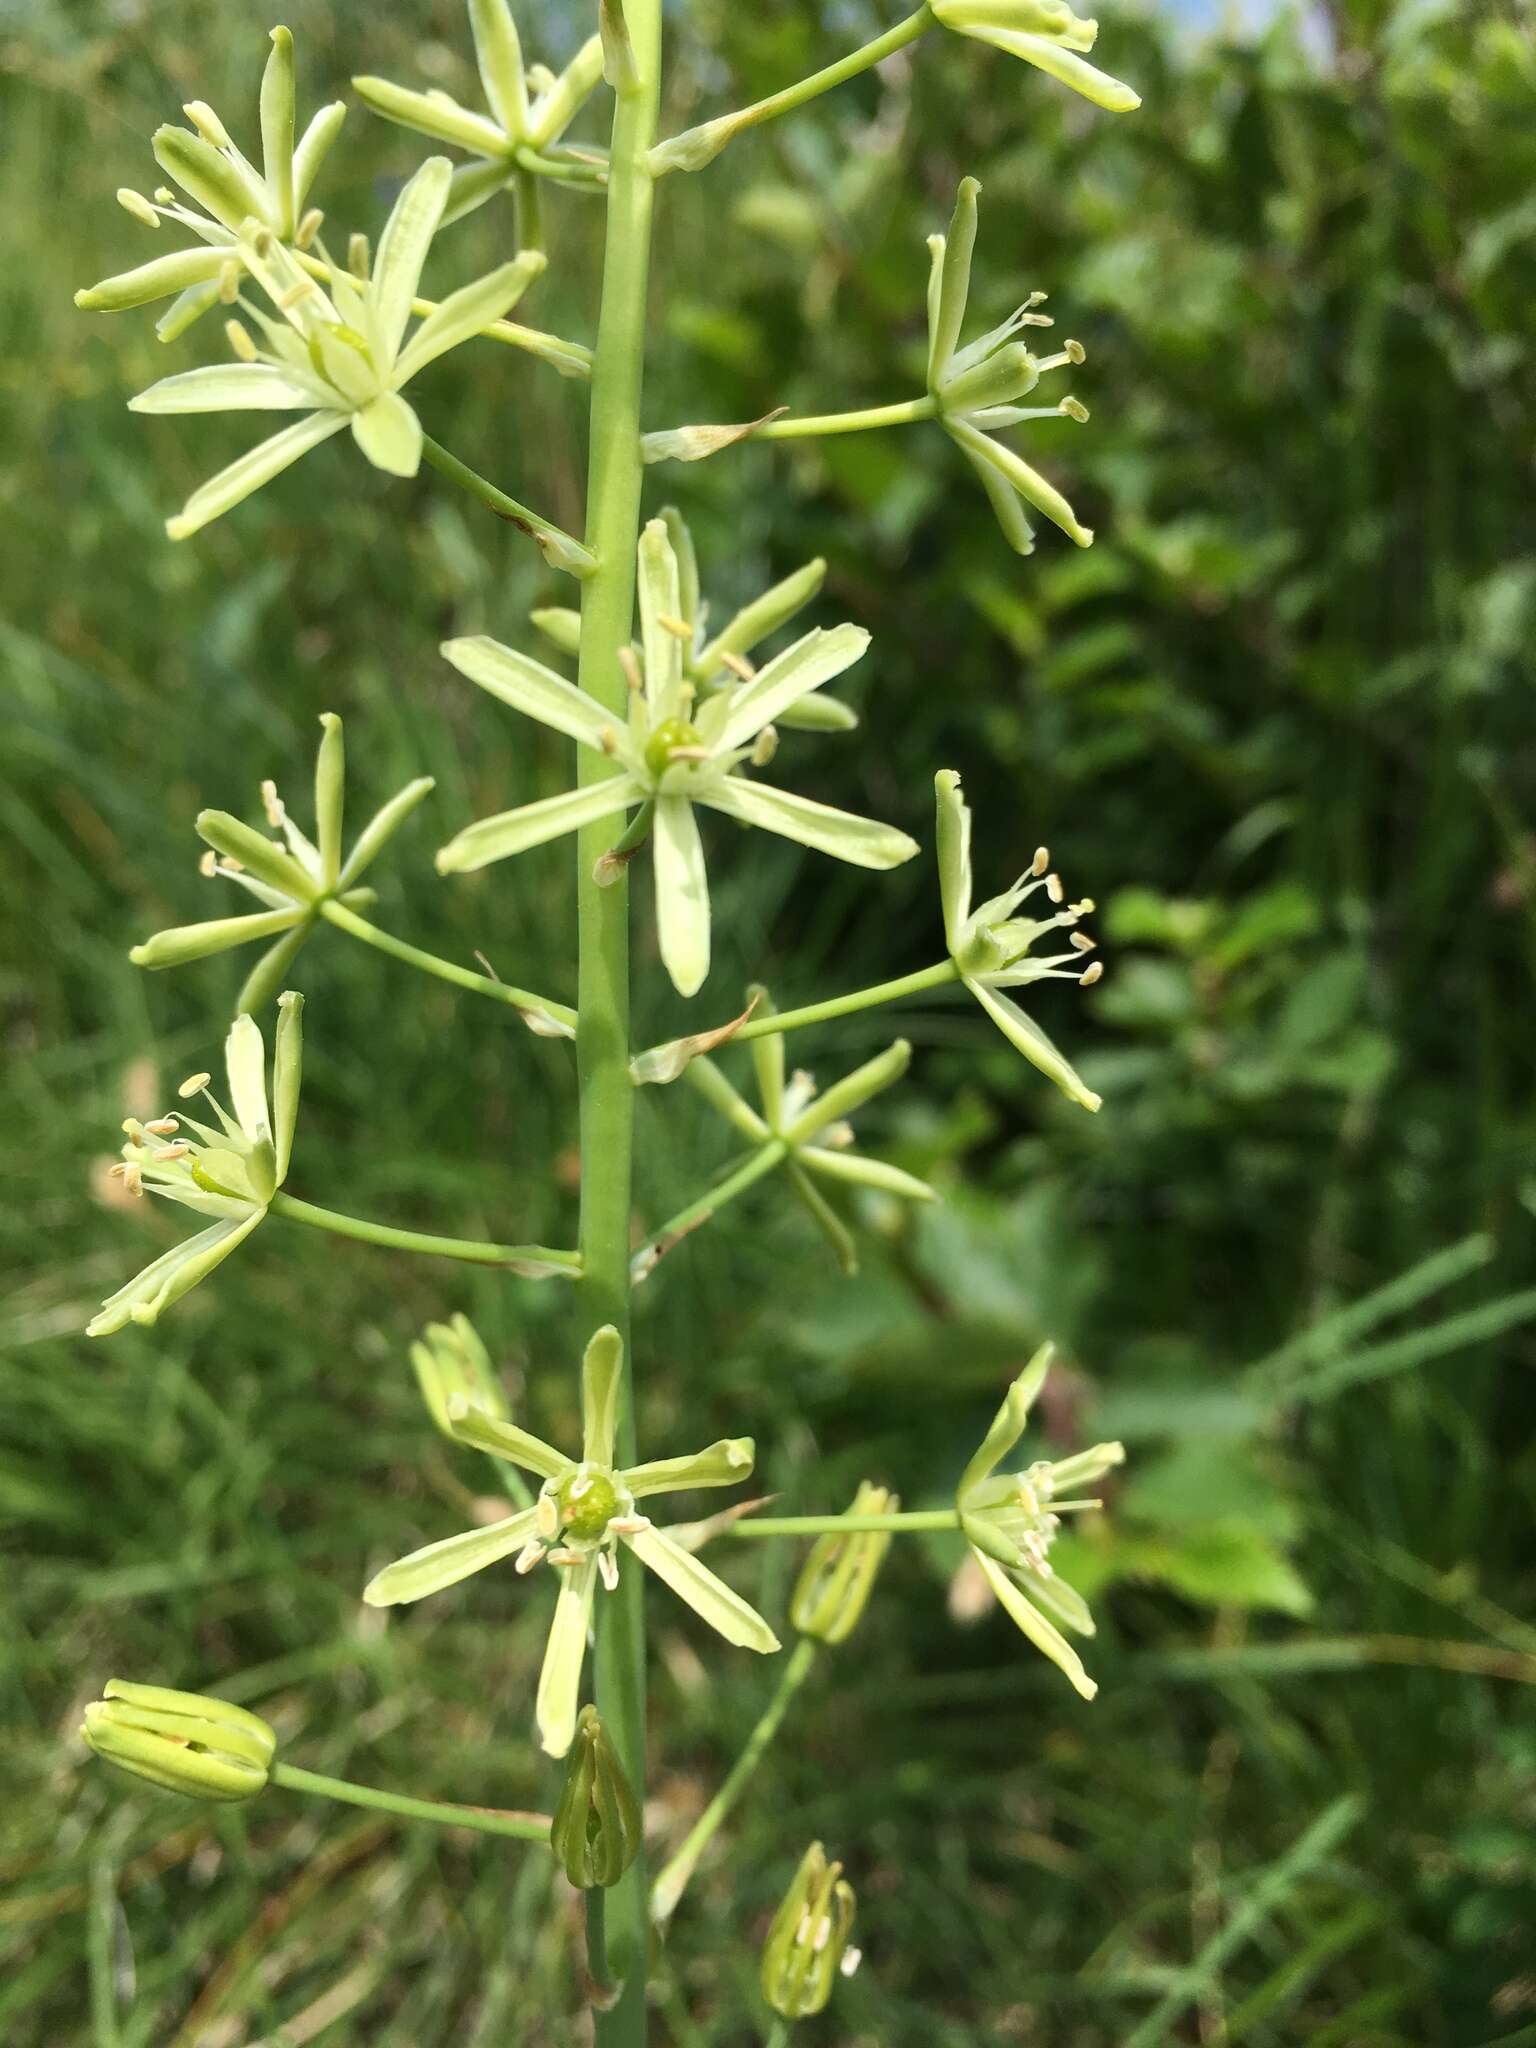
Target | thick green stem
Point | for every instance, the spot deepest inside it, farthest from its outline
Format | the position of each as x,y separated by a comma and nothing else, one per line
857,422
602,1032
486,1820
560,549
660,1242
846,1525
673,1881
533,1261
521,999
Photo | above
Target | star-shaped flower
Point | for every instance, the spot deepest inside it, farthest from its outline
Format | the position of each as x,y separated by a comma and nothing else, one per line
672,755
1011,1519
1045,33
341,358
294,886
990,945
586,1511
229,1170
522,131
977,388
225,192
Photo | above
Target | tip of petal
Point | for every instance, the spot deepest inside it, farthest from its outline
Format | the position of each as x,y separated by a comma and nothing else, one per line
180,529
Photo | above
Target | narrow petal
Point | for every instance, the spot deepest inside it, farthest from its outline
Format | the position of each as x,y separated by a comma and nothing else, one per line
287,1076
852,1092
1028,482
952,836
245,1062
726,1463
330,795
175,1273
1023,1032
470,1424
860,841
602,1375
468,312
1044,1634
576,83
709,1597
660,597
430,114
382,827
735,1108
438,1565
768,1064
1110,93
1058,1599
277,121
223,492
1007,508
858,1170
564,1655
389,434
186,309
314,147
186,942
227,189
271,971
499,55
180,272
682,894
403,250
528,686
533,824
788,677
765,615
271,865
232,387
1007,1425
954,278
474,183
825,1217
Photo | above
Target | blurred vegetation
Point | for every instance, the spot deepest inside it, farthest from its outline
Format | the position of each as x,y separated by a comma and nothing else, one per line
1277,721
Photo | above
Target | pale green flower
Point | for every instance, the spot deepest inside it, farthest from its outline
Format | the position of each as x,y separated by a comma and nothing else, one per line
530,109
990,945
450,1362
341,358
586,1511
181,1741
225,192
721,661
292,884
1011,1519
229,1170
977,388
839,1575
1045,33
671,754
806,1949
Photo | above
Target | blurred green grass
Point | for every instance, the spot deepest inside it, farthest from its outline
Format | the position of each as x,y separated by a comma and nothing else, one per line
1277,722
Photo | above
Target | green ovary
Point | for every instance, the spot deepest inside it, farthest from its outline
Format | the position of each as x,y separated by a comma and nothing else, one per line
588,1502
670,734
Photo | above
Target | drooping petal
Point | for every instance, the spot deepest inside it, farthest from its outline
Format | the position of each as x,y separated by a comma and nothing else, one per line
1007,508
1007,1425
602,1374
287,1076
682,894
175,1273
825,1217
528,686
953,280
1023,1032
245,1062
402,251
1027,481
157,279
533,824
223,492
382,827
468,312
233,387
389,434
431,114
852,1092
271,971
1044,1634
468,1423
174,948
1057,62
443,1564
564,1655
858,1170
709,1597
812,661
499,56
1059,1599
861,841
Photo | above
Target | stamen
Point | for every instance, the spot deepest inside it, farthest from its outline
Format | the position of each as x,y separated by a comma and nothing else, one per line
1074,352
823,1934
581,1484
678,628
1091,975
1082,942
136,204
357,257
1074,409
1084,907
162,1126
1041,861
296,294
164,196
608,740
566,1557
852,1957
764,747
207,123
738,665
837,1137
690,754
194,1084
608,1570
631,668
528,1556
263,239
229,283
177,1151
272,803
629,1525
1053,888
240,341
309,227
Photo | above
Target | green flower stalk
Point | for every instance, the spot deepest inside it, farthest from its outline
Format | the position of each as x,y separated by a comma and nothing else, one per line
226,194
671,754
530,109
990,945
838,1577
292,883
181,1741
585,1513
807,1946
1045,33
230,1169
341,358
596,1831
976,389
1011,1520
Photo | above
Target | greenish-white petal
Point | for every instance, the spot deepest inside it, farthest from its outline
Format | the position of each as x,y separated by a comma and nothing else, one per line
1026,1034
231,486
682,894
1062,64
474,183
852,1092
553,113
468,1423
270,864
1007,1426
402,251
952,837
528,686
382,827
468,312
277,125
438,1565
765,615
432,114
726,1463
174,948
861,841
287,1077
330,796
560,626
858,1170
534,824
1027,481
660,598
271,971
222,186
313,148
1044,1634
175,1273
1007,507
825,1217
245,1062
954,280
233,387
389,434
602,1372
709,1597
180,272
564,1655
186,309
499,55
812,661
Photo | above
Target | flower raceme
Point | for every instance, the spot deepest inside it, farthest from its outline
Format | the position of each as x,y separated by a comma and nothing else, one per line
291,882
1011,1519
340,357
672,754
229,1169
226,193
585,1514
523,128
976,388
1045,33
990,945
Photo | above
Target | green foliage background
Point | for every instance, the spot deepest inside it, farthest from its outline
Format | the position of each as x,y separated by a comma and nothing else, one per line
1278,721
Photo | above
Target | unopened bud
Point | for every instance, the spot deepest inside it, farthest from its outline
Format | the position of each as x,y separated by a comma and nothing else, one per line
834,1587
449,1359
806,1944
181,1741
595,1833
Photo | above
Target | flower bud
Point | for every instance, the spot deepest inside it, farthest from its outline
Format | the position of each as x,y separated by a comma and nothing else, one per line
182,1741
840,1572
449,1359
596,1829
807,1945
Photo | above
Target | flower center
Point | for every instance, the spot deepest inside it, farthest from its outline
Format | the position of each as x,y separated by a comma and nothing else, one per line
587,1502
671,734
